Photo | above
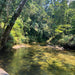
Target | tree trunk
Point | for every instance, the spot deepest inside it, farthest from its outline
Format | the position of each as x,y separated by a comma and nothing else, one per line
11,23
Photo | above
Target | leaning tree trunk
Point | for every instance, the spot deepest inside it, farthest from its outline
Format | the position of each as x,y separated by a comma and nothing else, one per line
11,23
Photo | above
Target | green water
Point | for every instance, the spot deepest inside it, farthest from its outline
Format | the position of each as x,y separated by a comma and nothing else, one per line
41,61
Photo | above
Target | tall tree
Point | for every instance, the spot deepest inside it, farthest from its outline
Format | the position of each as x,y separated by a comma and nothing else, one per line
11,23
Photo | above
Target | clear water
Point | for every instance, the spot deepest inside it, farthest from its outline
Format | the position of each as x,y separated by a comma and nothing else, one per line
41,60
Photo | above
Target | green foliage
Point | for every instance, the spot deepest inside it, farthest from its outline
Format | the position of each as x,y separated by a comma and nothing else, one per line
72,4
67,39
63,29
40,20
17,32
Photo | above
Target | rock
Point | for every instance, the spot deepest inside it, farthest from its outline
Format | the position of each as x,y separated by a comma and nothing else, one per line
33,43
60,48
2,72
21,46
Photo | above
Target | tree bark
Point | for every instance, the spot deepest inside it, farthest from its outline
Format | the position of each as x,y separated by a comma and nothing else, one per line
11,24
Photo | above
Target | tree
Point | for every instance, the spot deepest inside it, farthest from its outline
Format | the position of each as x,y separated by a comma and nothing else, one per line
11,23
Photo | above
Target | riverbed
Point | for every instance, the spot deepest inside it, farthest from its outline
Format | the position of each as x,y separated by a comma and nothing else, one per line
39,60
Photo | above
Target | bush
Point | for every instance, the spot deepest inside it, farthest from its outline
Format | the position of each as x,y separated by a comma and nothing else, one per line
67,39
17,32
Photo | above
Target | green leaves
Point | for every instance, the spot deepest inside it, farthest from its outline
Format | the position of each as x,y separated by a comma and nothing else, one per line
17,31
72,4
63,29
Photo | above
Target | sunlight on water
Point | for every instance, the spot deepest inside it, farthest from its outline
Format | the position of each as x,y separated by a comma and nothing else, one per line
38,60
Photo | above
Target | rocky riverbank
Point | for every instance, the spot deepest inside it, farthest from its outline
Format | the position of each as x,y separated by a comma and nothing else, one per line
21,46
28,45
3,72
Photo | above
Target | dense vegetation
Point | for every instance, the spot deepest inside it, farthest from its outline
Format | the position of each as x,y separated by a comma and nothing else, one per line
49,21
46,30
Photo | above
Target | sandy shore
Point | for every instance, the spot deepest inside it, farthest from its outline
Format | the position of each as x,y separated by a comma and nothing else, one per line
21,46
27,45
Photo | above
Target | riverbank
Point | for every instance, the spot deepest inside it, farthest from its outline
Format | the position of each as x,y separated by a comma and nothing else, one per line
3,72
21,46
28,45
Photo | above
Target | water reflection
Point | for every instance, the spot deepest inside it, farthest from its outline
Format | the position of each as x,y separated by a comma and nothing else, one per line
41,61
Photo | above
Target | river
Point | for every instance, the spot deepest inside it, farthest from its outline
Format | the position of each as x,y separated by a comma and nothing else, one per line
39,60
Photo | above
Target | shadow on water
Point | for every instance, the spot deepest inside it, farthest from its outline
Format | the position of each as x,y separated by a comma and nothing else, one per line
39,60
23,63
5,56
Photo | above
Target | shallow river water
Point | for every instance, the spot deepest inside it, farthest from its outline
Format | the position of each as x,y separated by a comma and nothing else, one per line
40,60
